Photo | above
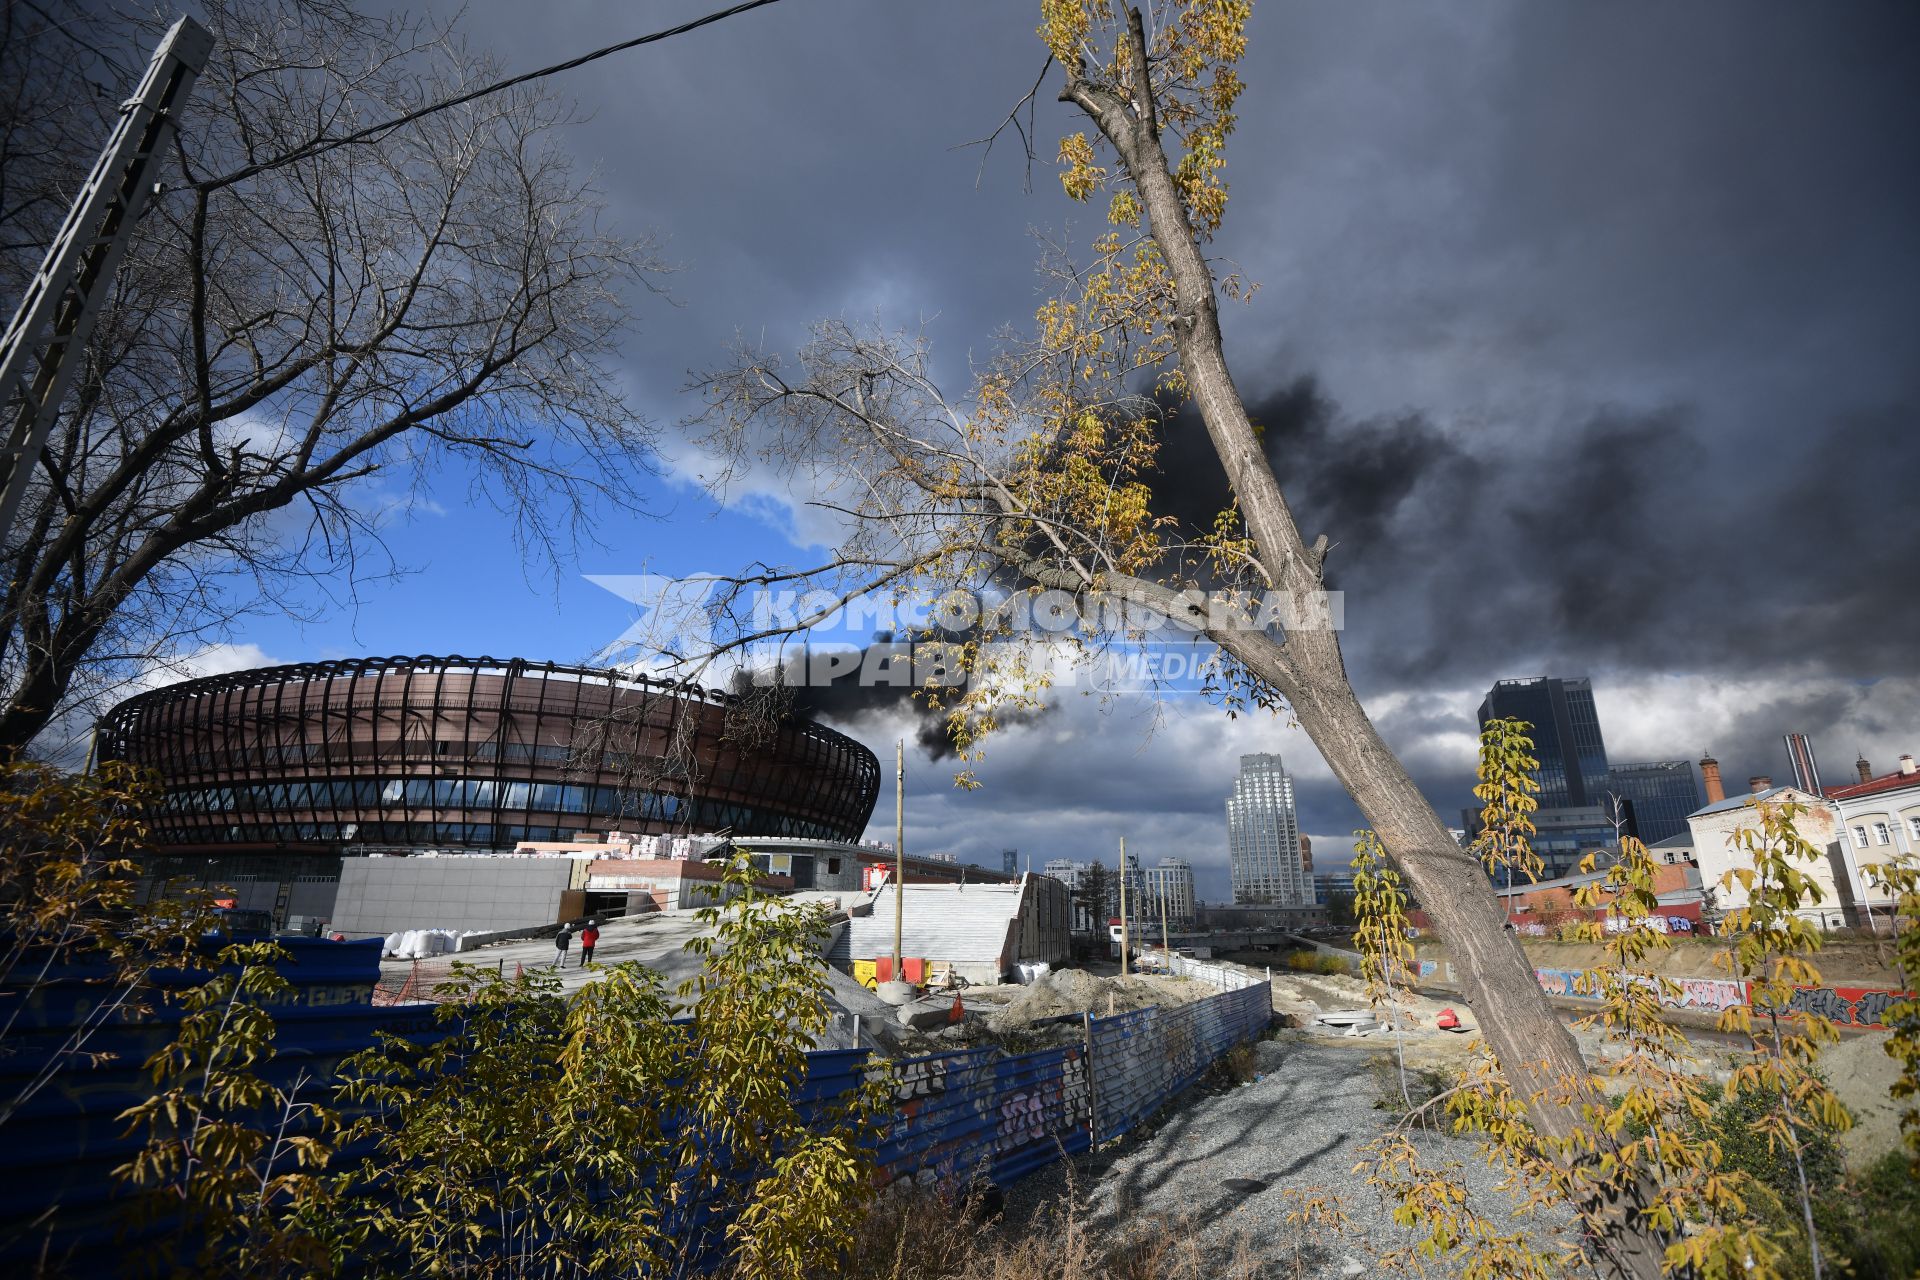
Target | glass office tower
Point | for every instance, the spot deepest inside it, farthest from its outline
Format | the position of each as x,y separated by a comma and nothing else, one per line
1661,794
1566,736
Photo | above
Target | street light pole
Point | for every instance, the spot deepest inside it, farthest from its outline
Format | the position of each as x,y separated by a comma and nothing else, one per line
899,850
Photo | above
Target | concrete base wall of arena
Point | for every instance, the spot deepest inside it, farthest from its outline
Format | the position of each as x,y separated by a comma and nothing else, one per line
379,896
299,903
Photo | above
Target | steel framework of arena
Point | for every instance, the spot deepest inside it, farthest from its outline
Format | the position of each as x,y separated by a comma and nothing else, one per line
472,754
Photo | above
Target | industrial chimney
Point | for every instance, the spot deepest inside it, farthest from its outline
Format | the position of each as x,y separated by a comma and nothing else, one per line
1806,770
1710,775
1759,782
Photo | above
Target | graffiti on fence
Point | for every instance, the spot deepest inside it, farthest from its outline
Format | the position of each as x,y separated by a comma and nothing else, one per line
918,1080
1821,1002
1708,994
1659,924
1178,1044
1848,1006
1713,994
1565,982
1021,1118
1076,1092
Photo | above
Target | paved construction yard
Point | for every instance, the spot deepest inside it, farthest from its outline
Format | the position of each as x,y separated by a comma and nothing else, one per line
657,941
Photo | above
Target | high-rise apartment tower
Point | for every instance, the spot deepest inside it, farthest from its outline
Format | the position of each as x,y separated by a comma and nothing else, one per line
1263,836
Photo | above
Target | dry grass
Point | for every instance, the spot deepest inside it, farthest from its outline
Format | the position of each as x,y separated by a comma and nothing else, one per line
1240,1064
1316,962
917,1233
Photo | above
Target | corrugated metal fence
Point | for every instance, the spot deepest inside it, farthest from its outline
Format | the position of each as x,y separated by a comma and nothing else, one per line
1142,1059
979,1113
61,1147
1226,977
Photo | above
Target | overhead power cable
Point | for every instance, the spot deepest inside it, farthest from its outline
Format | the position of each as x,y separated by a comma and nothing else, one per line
322,145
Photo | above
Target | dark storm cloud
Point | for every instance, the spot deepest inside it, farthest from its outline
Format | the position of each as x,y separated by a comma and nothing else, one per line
863,690
1586,333
1340,475
1628,541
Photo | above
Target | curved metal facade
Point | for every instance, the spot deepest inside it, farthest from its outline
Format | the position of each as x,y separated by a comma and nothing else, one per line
472,753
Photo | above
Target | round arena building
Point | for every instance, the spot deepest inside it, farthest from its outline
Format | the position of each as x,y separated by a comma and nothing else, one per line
475,755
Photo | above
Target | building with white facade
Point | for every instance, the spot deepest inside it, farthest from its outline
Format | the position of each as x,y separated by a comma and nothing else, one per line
1065,870
1880,823
1716,831
1263,836
1087,917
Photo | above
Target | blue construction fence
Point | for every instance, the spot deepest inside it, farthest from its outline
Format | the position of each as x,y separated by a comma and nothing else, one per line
84,1067
979,1113
960,1116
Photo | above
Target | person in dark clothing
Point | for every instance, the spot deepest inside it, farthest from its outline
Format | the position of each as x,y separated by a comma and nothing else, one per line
588,936
561,941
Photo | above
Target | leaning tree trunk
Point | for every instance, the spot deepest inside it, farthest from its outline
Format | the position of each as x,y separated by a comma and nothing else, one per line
1537,1054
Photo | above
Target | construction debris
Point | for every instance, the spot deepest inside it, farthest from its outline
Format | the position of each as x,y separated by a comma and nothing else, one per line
1071,992
925,1015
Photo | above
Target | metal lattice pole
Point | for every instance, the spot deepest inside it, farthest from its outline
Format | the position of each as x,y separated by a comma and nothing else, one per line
44,343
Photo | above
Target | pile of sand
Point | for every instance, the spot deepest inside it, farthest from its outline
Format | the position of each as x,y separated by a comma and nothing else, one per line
1075,991
1862,1075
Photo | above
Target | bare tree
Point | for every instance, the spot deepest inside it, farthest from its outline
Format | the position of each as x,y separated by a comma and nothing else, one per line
1040,480
287,357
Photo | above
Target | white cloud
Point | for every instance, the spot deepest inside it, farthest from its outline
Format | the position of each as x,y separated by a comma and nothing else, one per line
67,738
211,660
1658,717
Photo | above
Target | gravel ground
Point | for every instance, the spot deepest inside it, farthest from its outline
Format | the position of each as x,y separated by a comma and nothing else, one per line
1299,1129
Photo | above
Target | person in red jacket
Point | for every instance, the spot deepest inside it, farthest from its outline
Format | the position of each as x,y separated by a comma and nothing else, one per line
588,936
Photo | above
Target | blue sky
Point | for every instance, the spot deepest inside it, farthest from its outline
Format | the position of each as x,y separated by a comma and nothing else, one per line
468,589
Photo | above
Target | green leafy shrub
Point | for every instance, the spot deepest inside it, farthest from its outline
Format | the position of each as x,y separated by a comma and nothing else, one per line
1884,1202
581,1134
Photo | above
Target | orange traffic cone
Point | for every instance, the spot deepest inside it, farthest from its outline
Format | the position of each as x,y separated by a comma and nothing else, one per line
958,1011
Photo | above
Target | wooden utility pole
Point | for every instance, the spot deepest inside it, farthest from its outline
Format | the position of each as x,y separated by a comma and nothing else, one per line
899,850
1165,945
1123,906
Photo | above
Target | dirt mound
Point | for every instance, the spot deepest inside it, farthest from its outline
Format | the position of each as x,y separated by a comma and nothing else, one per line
1074,991
1863,1075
